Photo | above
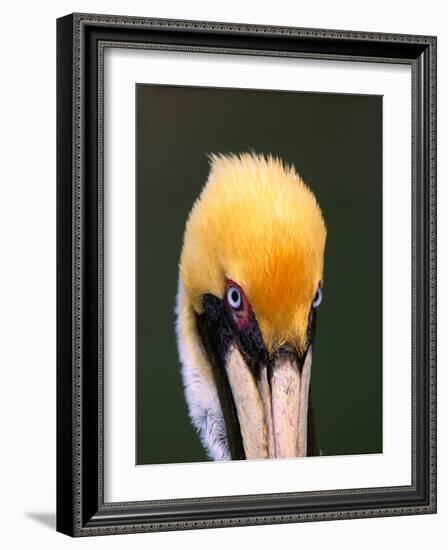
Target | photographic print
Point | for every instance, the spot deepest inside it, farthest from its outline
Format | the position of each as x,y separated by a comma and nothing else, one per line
258,274
246,274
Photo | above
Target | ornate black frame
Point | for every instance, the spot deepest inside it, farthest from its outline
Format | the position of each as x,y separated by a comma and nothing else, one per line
81,39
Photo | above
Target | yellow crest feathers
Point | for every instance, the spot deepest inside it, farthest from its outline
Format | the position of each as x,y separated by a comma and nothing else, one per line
258,224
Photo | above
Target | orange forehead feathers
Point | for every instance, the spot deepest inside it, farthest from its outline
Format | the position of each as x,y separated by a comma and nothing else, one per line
258,224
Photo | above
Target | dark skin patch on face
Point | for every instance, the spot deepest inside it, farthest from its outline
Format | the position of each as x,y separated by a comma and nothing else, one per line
218,332
312,443
311,330
216,336
312,447
252,347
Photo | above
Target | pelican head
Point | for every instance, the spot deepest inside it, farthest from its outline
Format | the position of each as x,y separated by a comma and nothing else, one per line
250,283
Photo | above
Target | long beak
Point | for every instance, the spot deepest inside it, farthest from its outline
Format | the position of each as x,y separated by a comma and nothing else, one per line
272,404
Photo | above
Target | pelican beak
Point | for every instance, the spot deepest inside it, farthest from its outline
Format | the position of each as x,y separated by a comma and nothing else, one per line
272,406
265,400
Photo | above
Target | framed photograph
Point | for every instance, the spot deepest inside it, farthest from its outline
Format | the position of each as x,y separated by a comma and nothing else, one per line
246,274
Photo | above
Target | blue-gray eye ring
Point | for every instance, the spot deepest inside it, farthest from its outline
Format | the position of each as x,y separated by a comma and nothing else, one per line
318,298
234,297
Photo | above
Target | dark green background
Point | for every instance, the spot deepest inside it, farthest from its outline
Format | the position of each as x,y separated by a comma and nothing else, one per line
335,143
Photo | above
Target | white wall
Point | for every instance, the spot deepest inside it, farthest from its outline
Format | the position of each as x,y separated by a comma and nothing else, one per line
27,304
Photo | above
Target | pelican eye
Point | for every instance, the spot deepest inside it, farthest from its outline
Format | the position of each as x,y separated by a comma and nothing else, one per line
234,297
317,299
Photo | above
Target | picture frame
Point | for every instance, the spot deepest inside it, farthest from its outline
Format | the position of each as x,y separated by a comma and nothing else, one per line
81,506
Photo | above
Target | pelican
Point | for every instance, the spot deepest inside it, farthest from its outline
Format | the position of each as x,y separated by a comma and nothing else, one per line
250,283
